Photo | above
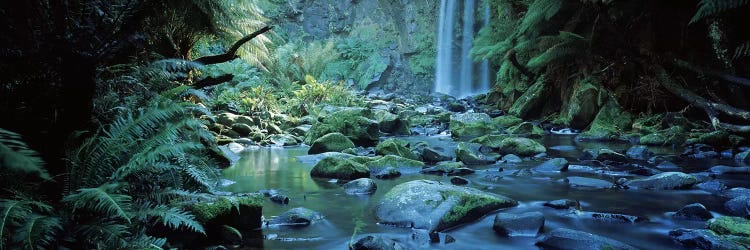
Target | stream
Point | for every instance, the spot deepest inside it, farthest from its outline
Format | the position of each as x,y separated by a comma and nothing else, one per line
287,170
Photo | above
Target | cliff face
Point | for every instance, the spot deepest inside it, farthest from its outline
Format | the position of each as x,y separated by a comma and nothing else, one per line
394,39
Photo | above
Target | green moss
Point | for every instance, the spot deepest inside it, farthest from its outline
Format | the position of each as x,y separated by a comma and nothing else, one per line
206,211
395,147
526,128
335,167
730,225
648,124
521,146
491,141
671,136
333,142
472,130
582,106
609,123
531,100
469,206
354,123
395,162
718,138
506,121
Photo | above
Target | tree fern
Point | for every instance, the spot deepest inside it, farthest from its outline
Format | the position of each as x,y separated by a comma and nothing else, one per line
566,44
539,11
16,156
102,199
711,7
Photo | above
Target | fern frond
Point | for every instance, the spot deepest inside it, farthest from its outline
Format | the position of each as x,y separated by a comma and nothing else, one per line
145,159
712,7
539,11
100,199
109,233
37,231
16,156
743,50
566,44
175,218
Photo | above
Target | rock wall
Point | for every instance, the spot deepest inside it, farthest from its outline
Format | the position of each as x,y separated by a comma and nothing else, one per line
405,36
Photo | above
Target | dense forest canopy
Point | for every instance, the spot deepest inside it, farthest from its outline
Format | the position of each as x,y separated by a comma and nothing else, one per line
119,116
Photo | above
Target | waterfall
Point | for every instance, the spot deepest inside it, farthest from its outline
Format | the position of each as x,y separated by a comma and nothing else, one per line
484,84
455,74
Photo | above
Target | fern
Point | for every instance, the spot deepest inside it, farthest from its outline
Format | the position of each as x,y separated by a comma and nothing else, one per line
567,44
539,11
106,232
175,218
17,218
712,7
38,231
101,199
16,156
743,50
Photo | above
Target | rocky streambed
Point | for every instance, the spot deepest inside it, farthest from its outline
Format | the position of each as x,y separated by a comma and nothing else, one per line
467,180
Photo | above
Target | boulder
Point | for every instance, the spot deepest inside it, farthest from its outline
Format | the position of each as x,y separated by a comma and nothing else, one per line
471,125
361,186
563,204
436,206
666,180
695,211
564,239
433,155
235,147
553,165
526,129
729,170
242,129
521,146
511,158
617,218
743,157
401,164
671,136
491,141
296,217
387,173
506,121
448,168
525,224
585,182
376,242
739,206
456,107
333,142
735,192
668,166
603,154
702,239
339,168
354,123
469,154
395,147
608,123
582,105
283,140
729,225
532,100
241,211
391,123
459,181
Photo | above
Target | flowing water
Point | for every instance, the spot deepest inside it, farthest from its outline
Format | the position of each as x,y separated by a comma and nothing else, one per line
287,170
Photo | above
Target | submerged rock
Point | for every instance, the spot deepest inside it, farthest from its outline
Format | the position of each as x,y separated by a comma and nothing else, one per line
666,180
333,142
702,239
436,206
585,182
564,239
361,186
695,211
448,168
433,155
469,154
459,181
739,206
525,224
553,165
563,204
296,217
401,164
338,168
511,158
376,242
521,146
617,218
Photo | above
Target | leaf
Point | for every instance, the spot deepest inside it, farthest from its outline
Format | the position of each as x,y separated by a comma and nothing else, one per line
100,200
38,231
175,218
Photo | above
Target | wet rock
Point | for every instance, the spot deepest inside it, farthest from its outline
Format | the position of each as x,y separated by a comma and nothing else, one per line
506,121
585,182
525,224
729,225
395,147
728,170
702,239
333,142
743,158
564,239
241,211
354,123
388,173
469,154
525,128
712,186
727,154
296,217
471,125
739,206
608,123
459,181
582,105
456,107
511,158
695,211
279,198
525,172
338,168
242,129
436,206
617,218
361,186
581,169
603,154
403,165
235,147
563,204
433,155
391,123
521,146
300,130
639,152
491,141
283,140
666,180
376,242
448,168
700,151
671,136
668,166
553,165
735,192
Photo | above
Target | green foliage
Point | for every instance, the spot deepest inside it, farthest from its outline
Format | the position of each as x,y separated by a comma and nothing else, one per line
293,61
743,50
712,7
101,200
17,157
538,12
566,44
28,222
250,100
174,218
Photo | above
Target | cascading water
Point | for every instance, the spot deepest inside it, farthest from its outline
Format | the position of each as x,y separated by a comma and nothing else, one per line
451,77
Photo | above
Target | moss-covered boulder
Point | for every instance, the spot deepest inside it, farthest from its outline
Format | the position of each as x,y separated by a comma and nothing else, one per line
436,206
521,146
531,101
666,180
338,168
491,141
354,123
506,121
391,123
671,136
703,239
582,106
448,168
296,217
469,154
240,211
729,225
395,147
526,128
471,125
609,123
333,142
401,164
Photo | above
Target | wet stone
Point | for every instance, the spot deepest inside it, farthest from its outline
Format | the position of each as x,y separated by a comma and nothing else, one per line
563,204
695,211
525,224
